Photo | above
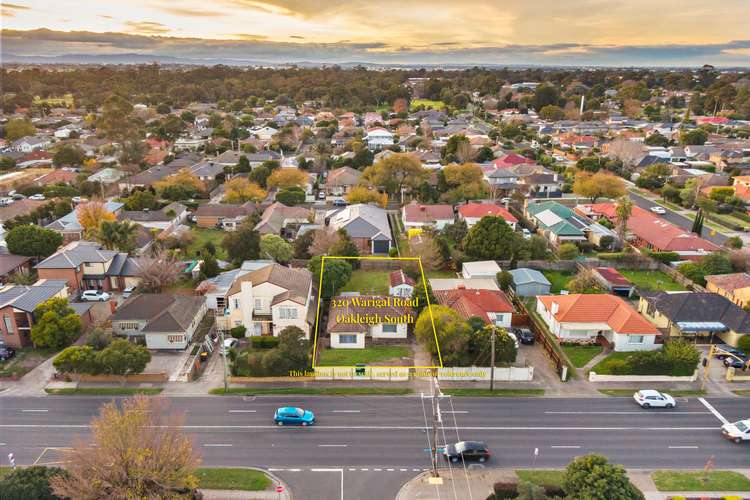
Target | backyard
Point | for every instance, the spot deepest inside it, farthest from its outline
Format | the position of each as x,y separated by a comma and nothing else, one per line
368,282
652,280
579,355
394,354
558,279
201,237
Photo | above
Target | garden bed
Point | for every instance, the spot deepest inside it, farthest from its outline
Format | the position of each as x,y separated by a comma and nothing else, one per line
25,360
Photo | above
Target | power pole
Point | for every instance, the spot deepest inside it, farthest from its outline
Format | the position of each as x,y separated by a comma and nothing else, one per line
223,351
435,421
492,362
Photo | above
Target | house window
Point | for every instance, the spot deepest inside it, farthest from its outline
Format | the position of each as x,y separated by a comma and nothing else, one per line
288,313
347,339
128,325
219,303
236,303
258,304
258,328
635,339
389,328
175,338
499,319
8,324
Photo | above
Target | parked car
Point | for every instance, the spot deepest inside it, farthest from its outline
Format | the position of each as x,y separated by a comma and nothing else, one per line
340,203
37,197
229,344
737,431
289,415
654,399
468,451
128,292
505,200
321,195
728,348
6,353
95,296
526,233
524,335
740,363
658,210
4,202
78,199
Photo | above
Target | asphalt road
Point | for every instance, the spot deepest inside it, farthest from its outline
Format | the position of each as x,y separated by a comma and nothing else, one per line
372,445
679,220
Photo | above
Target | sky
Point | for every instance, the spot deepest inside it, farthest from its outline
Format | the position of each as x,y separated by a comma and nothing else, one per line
534,32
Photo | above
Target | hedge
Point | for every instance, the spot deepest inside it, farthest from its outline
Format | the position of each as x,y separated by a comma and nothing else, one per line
264,342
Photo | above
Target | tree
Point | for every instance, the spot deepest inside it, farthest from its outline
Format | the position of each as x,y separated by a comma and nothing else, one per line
695,137
287,178
744,343
57,325
242,244
623,210
505,347
457,149
530,491
275,247
453,334
504,280
30,483
464,182
545,95
455,232
293,349
394,173
592,477
122,358
698,223
68,156
77,359
17,128
567,251
291,196
421,297
180,186
551,113
484,155
117,235
302,245
426,248
598,185
158,273
490,239
625,150
116,121
239,190
361,194
537,247
336,273
683,355
33,241
584,282
734,242
689,193
210,266
92,214
654,176
259,175
656,139
141,200
145,452
345,247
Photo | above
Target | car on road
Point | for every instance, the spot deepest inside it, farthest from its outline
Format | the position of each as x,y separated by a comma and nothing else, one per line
290,415
95,296
739,362
727,349
505,200
658,210
229,344
78,199
37,197
6,353
4,202
524,335
737,431
468,451
654,399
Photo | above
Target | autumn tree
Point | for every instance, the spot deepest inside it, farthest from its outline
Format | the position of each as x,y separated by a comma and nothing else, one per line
287,177
464,182
239,190
361,194
137,450
92,214
394,173
598,185
157,273
323,241
180,186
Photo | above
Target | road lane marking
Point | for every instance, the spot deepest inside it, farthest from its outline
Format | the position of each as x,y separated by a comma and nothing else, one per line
403,470
377,470
714,411
242,411
333,445
572,447
374,428
364,470
294,470
346,411
455,411
276,470
624,413
40,411
223,445
683,447
352,468
389,470
416,470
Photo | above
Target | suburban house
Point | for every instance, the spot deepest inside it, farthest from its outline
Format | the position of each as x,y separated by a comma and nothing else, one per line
35,142
85,265
347,333
165,219
741,184
341,180
400,284
558,223
480,269
11,264
697,317
69,226
597,318
492,306
367,225
416,215
613,281
470,284
378,138
166,321
529,282
473,213
283,220
268,299
735,287
17,304
224,215
150,176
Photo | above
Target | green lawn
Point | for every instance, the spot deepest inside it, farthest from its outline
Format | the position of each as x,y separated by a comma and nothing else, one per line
104,391
542,477
225,478
427,103
671,205
312,391
652,280
368,282
579,355
558,279
496,393
202,236
604,367
629,392
372,354
718,480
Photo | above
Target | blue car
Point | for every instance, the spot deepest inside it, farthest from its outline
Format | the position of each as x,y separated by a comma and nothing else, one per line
289,415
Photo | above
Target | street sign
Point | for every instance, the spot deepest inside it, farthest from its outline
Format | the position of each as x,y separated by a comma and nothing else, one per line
279,489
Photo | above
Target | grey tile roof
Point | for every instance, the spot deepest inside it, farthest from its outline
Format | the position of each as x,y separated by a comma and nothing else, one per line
701,307
162,312
76,254
27,298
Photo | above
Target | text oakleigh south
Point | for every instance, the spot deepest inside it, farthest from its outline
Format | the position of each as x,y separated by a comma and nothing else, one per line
372,304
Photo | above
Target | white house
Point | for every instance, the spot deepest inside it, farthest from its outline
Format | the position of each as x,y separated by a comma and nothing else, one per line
264,133
480,269
378,138
346,332
401,285
31,143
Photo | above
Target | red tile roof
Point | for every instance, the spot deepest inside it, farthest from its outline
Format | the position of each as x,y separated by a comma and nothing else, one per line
599,308
469,303
400,278
414,212
613,276
730,282
511,159
484,209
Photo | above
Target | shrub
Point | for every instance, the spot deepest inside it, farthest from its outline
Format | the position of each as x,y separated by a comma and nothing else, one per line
665,257
238,332
30,482
264,342
682,355
649,363
504,490
744,344
567,251
619,367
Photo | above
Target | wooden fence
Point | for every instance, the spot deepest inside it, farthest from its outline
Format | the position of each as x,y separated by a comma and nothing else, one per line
550,346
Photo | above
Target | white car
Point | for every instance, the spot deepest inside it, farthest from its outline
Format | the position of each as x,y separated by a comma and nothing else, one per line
737,431
658,210
95,296
505,200
654,399
128,292
229,344
37,197
78,199
4,202
526,233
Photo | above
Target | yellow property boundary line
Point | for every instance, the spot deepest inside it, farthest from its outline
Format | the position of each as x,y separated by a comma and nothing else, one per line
427,296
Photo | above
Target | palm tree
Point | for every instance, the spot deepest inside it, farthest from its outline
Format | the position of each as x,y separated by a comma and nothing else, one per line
622,213
117,235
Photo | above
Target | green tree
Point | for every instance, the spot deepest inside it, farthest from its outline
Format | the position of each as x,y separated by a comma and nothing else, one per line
490,239
537,247
69,156
18,128
116,121
76,359
734,242
210,266
302,245
695,137
421,297
30,483
336,273
744,343
656,139
567,251
395,172
505,347
33,241
504,280
345,247
57,325
453,334
683,355
552,113
275,247
117,235
545,95
291,196
260,175
592,477
242,244
293,349
123,358
141,200
623,211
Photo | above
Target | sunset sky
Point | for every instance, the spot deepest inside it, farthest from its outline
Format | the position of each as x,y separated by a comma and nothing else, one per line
638,32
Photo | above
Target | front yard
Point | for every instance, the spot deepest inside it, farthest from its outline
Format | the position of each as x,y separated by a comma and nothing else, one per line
370,355
25,360
652,280
579,355
718,480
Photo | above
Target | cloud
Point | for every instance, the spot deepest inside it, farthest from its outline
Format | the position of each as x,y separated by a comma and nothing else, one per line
8,9
245,36
297,37
188,12
146,27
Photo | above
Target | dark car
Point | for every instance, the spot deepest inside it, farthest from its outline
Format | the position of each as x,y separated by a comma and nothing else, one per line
729,349
6,353
468,451
523,335
740,363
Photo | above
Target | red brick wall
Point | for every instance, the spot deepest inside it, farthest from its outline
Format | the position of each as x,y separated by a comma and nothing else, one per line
73,278
15,339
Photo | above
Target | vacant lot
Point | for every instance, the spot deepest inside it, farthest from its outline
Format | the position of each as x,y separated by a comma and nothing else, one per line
201,237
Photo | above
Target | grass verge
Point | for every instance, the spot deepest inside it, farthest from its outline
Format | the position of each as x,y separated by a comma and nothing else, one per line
372,354
629,392
718,480
579,355
321,391
4,471
496,393
225,478
542,477
742,392
104,391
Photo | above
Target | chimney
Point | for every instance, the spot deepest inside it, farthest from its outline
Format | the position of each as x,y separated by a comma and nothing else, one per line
555,307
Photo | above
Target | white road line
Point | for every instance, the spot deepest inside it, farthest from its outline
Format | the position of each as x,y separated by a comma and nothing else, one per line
456,411
714,411
365,470
623,413
352,468
333,445
345,411
242,411
683,447
389,470
223,445
2,444
40,411
565,447
403,470
377,470
294,470
416,470
276,470
377,428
